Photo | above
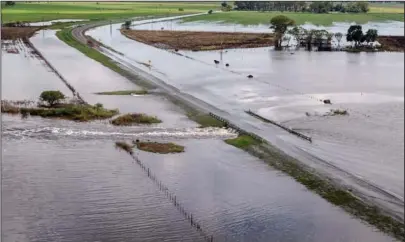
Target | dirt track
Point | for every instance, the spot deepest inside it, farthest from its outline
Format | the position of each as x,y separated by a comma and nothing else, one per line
187,40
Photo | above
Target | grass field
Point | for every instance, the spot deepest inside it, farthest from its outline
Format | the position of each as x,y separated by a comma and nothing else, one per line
252,18
386,8
45,11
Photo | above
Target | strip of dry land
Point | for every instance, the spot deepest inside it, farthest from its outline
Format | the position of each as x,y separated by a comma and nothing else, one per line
11,33
190,40
198,41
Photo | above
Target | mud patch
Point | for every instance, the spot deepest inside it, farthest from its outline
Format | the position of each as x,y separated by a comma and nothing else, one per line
188,40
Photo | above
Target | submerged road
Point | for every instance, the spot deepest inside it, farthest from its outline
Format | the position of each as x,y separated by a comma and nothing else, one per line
291,145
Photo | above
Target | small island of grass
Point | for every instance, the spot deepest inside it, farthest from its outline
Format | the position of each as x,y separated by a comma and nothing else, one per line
242,141
124,146
55,108
134,118
126,92
160,148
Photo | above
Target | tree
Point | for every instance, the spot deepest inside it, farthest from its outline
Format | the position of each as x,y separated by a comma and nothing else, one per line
355,33
210,11
279,24
362,6
338,37
371,35
224,4
9,3
51,97
127,24
296,33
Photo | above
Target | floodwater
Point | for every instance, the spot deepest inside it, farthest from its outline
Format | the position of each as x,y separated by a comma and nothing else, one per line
65,181
47,23
367,144
20,84
80,188
384,28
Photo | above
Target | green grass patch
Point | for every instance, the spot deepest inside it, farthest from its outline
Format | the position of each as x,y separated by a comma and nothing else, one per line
134,118
205,120
160,148
75,112
253,18
242,142
45,11
129,92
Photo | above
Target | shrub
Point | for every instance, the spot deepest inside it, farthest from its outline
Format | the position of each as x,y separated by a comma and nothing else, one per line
134,118
210,12
181,9
51,97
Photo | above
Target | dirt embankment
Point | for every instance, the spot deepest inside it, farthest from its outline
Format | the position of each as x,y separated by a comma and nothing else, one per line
10,33
188,40
392,43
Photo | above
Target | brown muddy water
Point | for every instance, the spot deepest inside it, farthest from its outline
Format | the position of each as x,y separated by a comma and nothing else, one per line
65,181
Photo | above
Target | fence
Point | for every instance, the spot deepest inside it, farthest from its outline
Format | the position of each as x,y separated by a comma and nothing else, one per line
174,200
279,125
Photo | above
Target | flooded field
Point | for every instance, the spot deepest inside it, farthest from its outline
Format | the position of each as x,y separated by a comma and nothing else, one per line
384,28
286,86
65,181
19,83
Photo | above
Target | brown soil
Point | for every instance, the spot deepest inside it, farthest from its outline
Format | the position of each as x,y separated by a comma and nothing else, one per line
18,32
392,43
188,40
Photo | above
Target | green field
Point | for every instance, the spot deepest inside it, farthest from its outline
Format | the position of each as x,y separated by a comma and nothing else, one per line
45,11
252,18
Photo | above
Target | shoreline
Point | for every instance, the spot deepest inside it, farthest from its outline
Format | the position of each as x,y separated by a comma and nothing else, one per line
376,216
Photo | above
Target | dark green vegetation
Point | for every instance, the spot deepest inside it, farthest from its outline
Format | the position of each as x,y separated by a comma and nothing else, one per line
160,148
128,92
55,109
51,97
279,24
45,11
321,185
124,146
312,7
134,118
205,120
242,141
74,112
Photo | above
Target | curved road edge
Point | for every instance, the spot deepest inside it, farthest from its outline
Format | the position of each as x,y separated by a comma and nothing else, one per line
367,196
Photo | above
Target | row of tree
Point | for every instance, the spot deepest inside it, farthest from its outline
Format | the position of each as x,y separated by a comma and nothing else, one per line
295,6
322,39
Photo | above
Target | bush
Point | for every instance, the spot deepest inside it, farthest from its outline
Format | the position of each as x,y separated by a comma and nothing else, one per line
51,97
181,9
210,12
134,118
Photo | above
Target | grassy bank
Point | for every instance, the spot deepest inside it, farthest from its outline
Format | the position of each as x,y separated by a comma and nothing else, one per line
45,11
160,148
134,118
128,92
320,185
252,17
74,112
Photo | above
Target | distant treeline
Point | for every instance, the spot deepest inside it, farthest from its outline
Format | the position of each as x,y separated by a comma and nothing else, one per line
314,7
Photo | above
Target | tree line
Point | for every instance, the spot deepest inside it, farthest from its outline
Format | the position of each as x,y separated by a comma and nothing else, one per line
283,25
295,6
